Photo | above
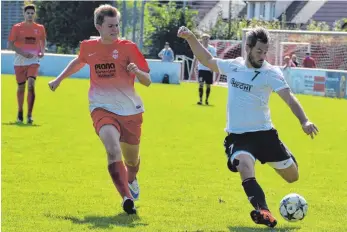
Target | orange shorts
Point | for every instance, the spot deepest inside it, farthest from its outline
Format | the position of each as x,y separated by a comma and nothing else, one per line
128,126
24,72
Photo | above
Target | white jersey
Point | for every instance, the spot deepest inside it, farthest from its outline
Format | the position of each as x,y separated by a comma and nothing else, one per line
213,52
249,90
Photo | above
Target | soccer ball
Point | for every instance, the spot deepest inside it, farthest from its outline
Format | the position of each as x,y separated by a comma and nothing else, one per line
293,207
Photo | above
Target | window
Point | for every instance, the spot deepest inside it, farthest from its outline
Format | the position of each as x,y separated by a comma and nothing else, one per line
273,10
262,11
252,11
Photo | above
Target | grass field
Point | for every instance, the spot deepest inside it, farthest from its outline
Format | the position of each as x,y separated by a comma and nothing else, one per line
54,173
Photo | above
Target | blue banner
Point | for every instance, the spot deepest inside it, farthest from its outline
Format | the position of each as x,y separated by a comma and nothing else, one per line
336,84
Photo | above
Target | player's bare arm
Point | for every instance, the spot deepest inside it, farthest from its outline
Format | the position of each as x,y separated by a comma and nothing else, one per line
198,49
294,104
143,77
74,66
43,47
193,65
18,50
160,54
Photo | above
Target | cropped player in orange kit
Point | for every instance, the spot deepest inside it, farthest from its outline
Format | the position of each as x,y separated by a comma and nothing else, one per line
28,40
116,109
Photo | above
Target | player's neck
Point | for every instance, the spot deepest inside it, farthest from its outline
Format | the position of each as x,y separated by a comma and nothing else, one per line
248,64
105,41
28,22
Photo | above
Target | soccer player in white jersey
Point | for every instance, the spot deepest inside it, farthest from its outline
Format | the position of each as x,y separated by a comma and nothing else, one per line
205,74
251,134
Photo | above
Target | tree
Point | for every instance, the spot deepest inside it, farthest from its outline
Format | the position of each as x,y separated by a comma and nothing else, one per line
317,26
68,23
162,23
232,29
339,23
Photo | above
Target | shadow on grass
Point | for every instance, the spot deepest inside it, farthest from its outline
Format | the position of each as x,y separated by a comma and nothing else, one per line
209,105
255,229
19,124
104,222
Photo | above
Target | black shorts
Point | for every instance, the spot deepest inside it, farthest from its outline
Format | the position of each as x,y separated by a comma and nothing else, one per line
205,76
264,146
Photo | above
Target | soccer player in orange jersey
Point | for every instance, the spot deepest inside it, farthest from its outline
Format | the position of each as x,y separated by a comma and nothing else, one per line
28,40
116,109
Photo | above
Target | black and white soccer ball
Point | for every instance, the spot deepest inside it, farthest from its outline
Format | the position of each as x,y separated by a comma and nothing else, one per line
293,207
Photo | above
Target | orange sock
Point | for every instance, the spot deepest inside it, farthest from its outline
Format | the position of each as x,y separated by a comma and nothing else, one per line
31,100
132,171
119,177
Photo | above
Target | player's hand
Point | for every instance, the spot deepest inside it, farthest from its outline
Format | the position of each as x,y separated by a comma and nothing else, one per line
310,129
53,85
132,68
184,33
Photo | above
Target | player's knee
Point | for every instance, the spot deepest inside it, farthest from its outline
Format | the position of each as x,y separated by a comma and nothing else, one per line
31,83
133,166
21,88
201,85
114,153
132,163
30,88
244,165
293,178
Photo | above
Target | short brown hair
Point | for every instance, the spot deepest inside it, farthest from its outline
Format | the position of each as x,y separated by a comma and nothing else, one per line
257,34
29,7
104,10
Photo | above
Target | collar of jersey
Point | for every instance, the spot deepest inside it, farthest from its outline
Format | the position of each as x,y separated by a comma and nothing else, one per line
262,68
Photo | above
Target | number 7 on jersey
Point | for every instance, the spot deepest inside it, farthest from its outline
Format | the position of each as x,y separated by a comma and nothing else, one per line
256,74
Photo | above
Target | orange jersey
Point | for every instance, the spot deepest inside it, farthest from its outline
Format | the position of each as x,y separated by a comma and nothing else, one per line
29,38
111,85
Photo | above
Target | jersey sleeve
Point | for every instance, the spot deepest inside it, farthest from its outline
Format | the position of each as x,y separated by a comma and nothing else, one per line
83,53
224,66
136,57
13,34
276,80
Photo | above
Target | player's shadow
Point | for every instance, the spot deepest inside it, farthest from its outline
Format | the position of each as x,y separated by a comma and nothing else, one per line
20,124
255,229
105,222
204,105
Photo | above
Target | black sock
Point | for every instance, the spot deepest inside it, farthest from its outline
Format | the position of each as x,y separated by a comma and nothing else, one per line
201,92
254,193
208,90
20,115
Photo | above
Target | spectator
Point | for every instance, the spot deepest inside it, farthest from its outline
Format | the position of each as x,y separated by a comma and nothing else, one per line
288,62
166,54
294,60
309,62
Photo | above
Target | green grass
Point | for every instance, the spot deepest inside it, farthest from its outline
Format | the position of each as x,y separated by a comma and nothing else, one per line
54,175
